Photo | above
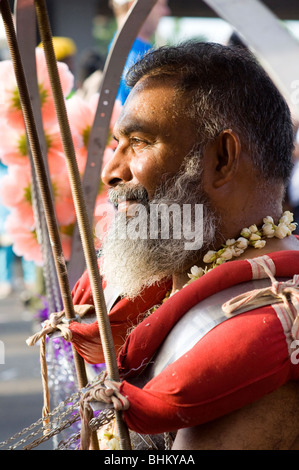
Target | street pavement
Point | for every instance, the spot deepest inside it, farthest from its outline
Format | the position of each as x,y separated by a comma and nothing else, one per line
21,397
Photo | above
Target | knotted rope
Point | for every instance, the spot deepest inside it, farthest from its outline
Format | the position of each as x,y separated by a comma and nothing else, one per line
57,321
286,292
105,392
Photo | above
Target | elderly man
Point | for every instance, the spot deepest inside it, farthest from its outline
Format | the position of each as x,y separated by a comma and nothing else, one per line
213,355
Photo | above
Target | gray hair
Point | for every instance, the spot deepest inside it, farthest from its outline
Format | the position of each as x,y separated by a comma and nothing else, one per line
225,88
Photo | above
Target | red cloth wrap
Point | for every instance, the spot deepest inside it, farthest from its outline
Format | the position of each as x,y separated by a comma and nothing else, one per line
123,315
234,364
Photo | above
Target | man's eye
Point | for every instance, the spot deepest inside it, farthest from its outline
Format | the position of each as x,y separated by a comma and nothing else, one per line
138,143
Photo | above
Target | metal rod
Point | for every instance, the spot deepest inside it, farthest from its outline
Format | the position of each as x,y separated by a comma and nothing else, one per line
81,212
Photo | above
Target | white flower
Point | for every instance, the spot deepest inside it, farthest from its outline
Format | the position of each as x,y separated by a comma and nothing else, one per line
227,254
245,233
242,243
254,237
268,230
253,228
268,220
282,231
230,241
195,273
237,251
260,244
287,218
114,443
209,256
293,226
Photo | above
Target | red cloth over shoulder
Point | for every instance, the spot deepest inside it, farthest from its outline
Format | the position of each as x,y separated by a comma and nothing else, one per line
123,315
234,364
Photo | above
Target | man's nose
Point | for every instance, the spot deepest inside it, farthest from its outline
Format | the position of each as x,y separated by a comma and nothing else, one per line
117,170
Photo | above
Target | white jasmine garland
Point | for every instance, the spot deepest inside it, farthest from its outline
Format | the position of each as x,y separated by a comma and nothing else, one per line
242,243
253,228
227,254
268,229
260,244
255,236
195,272
286,218
209,256
245,233
252,236
282,231
237,251
268,220
293,226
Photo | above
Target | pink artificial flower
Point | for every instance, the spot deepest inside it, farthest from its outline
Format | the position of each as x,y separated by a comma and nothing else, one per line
9,94
14,147
16,187
66,234
25,214
21,227
55,154
16,192
25,242
24,238
81,116
104,211
94,100
103,216
66,243
64,205
115,114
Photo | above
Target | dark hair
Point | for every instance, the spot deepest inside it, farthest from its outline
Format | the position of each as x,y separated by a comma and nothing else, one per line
224,87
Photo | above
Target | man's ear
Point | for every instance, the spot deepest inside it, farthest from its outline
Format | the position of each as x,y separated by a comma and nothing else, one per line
228,149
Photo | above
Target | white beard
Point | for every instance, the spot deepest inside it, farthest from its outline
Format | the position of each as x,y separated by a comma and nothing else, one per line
134,264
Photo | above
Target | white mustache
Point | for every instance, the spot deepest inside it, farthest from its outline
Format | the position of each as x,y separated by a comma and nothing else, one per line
124,192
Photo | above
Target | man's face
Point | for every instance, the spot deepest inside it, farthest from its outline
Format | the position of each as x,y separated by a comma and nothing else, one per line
153,138
155,165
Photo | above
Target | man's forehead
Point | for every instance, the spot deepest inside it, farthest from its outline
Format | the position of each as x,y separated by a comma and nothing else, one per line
148,101
130,123
155,81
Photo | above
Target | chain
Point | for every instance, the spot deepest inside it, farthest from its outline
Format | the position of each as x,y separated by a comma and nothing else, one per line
104,418
64,425
72,403
64,421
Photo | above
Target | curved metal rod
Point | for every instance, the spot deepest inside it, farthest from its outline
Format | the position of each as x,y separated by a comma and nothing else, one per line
81,213
113,69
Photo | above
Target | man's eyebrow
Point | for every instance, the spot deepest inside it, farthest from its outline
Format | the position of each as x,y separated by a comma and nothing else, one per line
135,126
